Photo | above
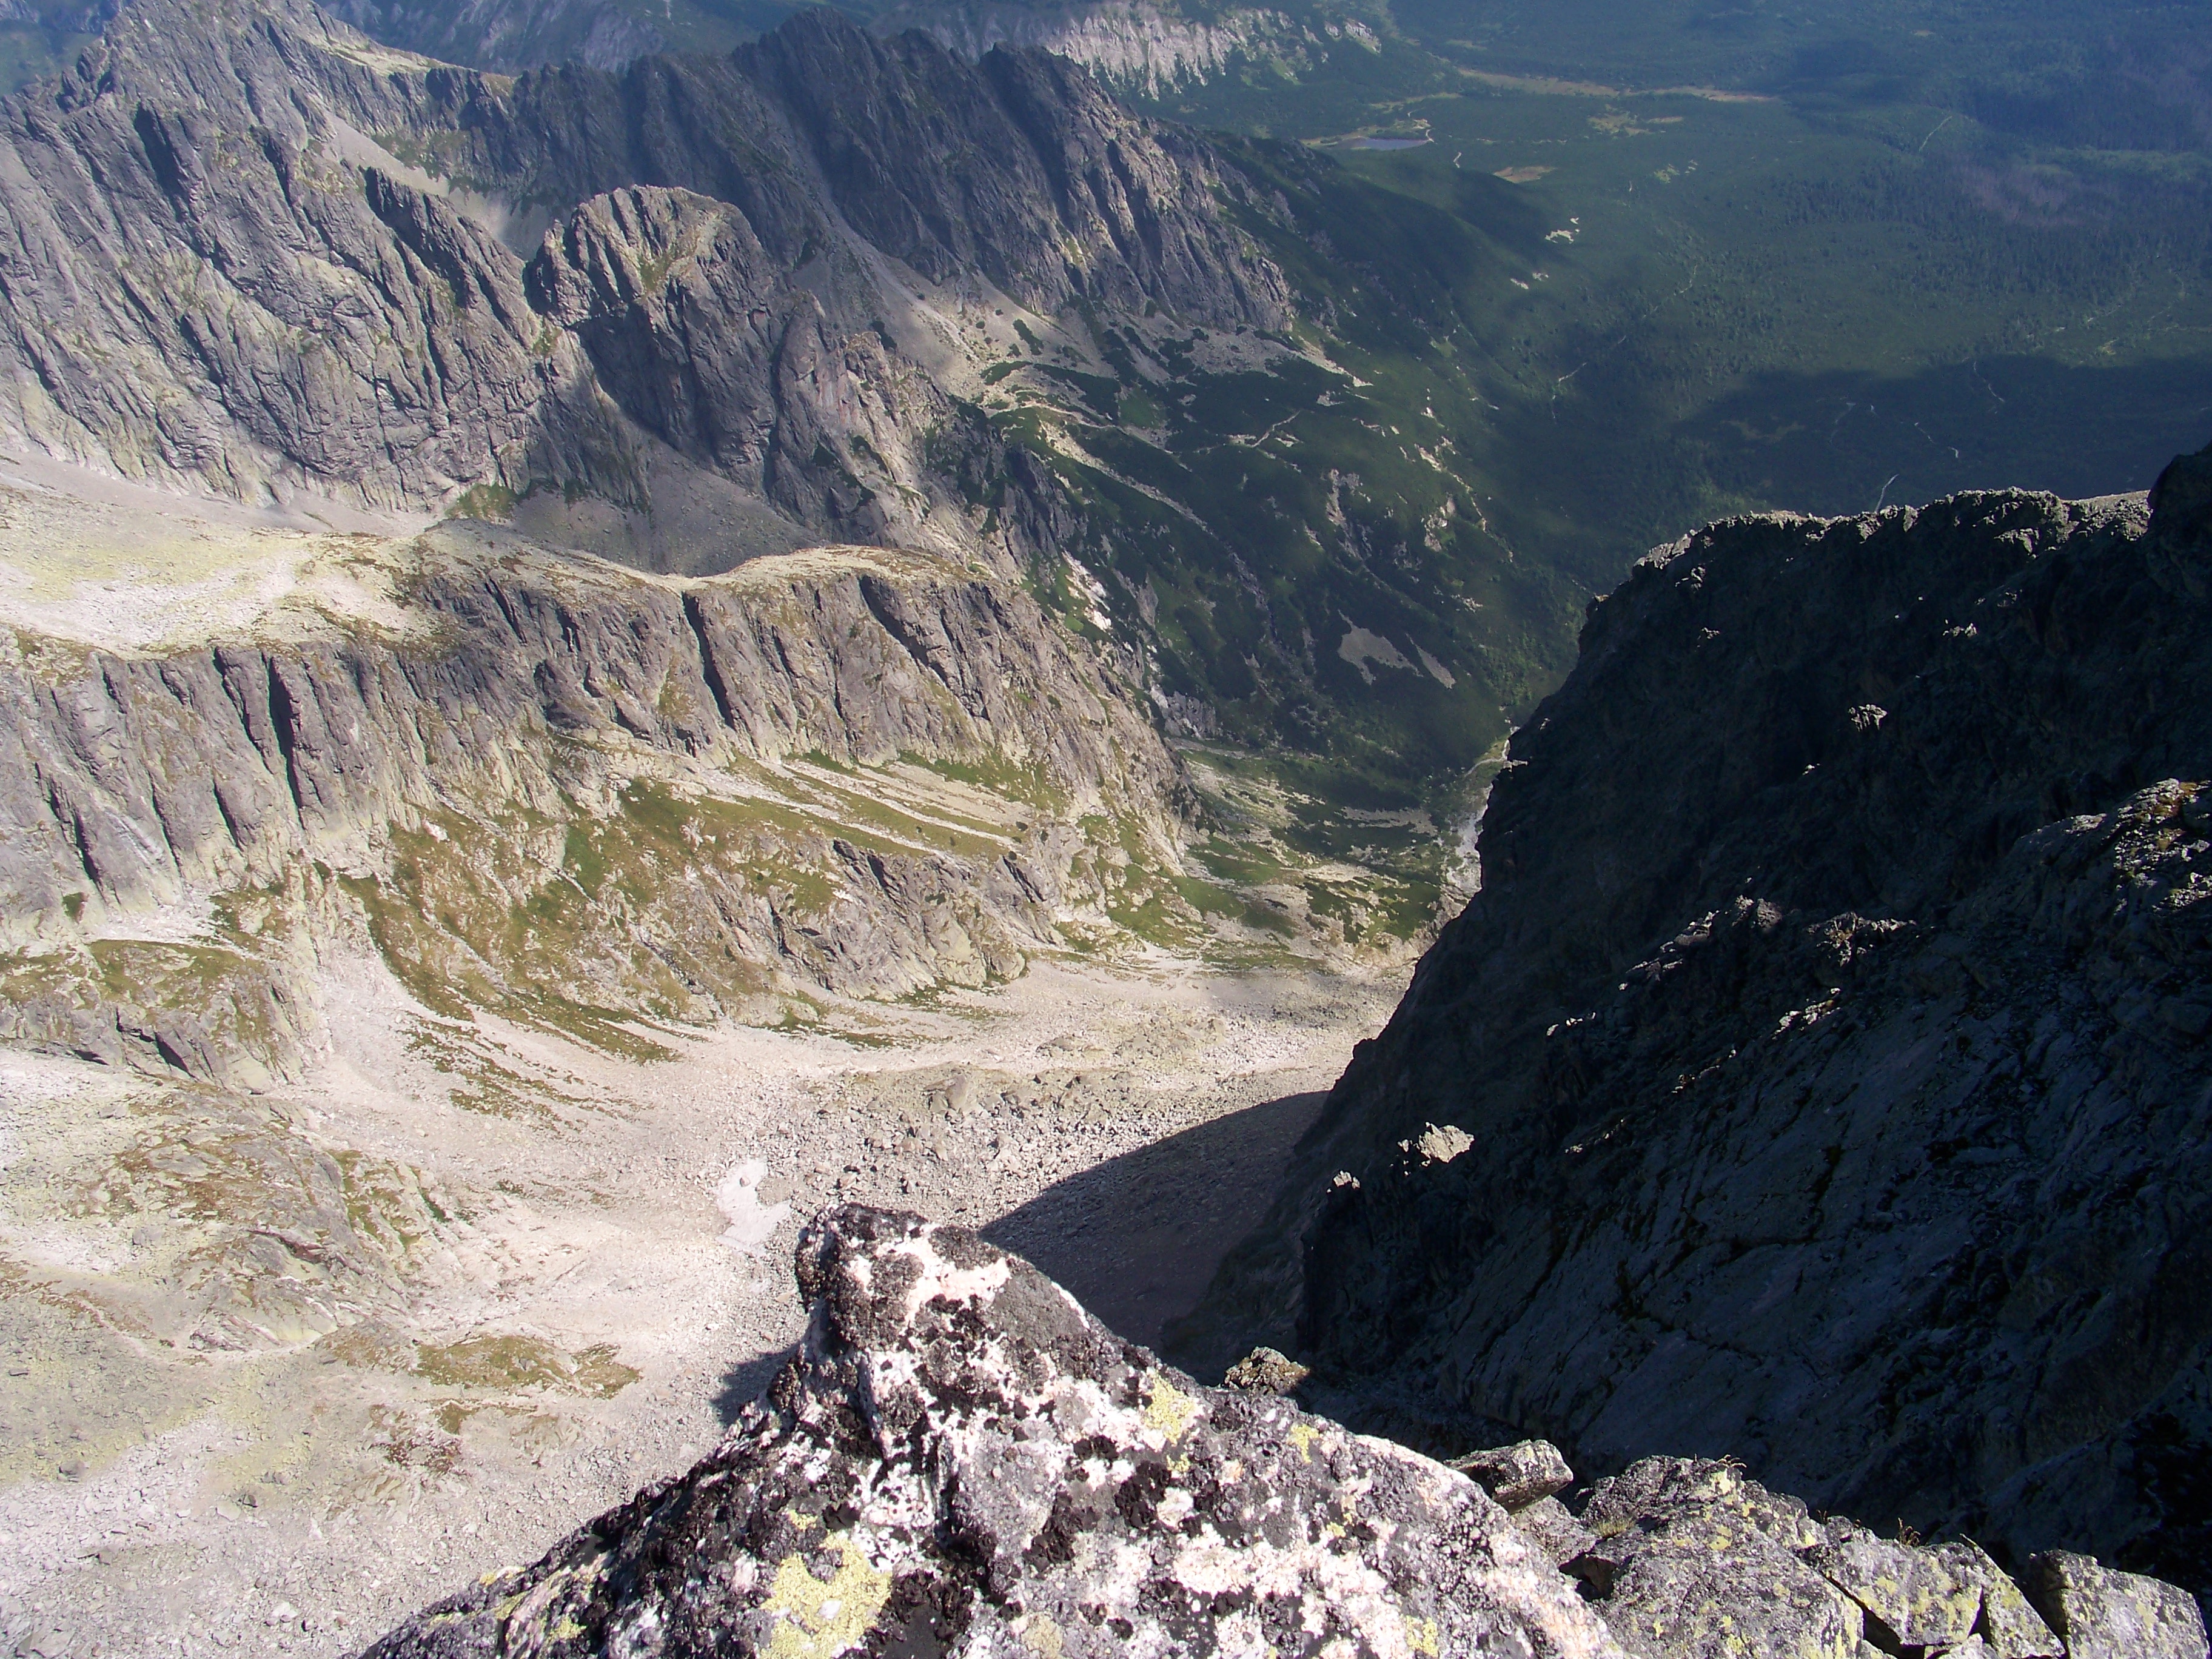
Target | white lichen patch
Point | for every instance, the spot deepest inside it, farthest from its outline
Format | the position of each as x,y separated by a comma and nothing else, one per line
942,1277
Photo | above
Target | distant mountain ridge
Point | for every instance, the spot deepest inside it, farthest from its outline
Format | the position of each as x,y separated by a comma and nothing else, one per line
1134,45
828,287
308,308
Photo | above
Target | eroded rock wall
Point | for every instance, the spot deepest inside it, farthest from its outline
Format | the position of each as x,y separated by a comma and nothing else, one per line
253,252
1820,1077
540,699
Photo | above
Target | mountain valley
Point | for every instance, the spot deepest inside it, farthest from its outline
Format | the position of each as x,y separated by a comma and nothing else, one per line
440,966
648,644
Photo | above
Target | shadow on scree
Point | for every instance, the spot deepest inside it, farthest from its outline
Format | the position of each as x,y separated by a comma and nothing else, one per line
1137,1238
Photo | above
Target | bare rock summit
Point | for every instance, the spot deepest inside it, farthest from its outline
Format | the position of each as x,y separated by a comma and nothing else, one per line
961,1460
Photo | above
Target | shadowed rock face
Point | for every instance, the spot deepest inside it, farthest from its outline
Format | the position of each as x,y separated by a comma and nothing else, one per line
1822,1075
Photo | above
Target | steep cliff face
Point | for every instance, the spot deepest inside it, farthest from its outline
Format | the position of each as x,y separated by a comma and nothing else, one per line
552,788
203,288
1820,1075
219,278
1020,166
511,34
693,329
1128,44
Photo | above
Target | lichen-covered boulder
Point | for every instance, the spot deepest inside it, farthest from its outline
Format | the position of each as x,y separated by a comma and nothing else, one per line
1702,1579
1939,1599
1520,1475
1264,1370
1657,1488
1553,1527
1693,1560
2105,1615
960,1462
1912,1594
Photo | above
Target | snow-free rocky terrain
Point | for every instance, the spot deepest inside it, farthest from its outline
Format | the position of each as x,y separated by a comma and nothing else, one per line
768,283
437,967
586,666
960,1461
828,288
1823,1076
438,961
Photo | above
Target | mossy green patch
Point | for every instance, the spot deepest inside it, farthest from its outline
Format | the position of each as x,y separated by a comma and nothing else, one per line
524,1362
492,501
997,775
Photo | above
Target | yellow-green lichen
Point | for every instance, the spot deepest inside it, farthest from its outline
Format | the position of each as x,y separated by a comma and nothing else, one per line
819,1619
1169,1412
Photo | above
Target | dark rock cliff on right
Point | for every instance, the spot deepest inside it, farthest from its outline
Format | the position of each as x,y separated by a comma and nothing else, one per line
1822,1075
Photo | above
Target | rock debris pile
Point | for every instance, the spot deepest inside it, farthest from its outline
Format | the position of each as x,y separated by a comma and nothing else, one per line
959,1459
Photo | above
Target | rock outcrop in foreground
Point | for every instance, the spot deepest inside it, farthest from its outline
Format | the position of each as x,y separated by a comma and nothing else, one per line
961,1460
1824,1075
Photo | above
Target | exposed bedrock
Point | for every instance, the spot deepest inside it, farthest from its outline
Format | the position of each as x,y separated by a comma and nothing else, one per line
245,249
958,1461
537,699
1821,1077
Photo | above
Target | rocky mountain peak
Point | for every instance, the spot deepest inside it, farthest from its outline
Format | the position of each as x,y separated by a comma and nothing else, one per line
1019,165
2180,505
1835,988
959,1460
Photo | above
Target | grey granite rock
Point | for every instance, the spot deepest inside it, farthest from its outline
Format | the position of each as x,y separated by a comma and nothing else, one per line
1692,1583
2105,1615
351,768
960,1462
1913,1596
250,250
1517,1475
1659,1489
1265,1371
1551,1526
965,1464
1826,1042
2010,1626
1689,1556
